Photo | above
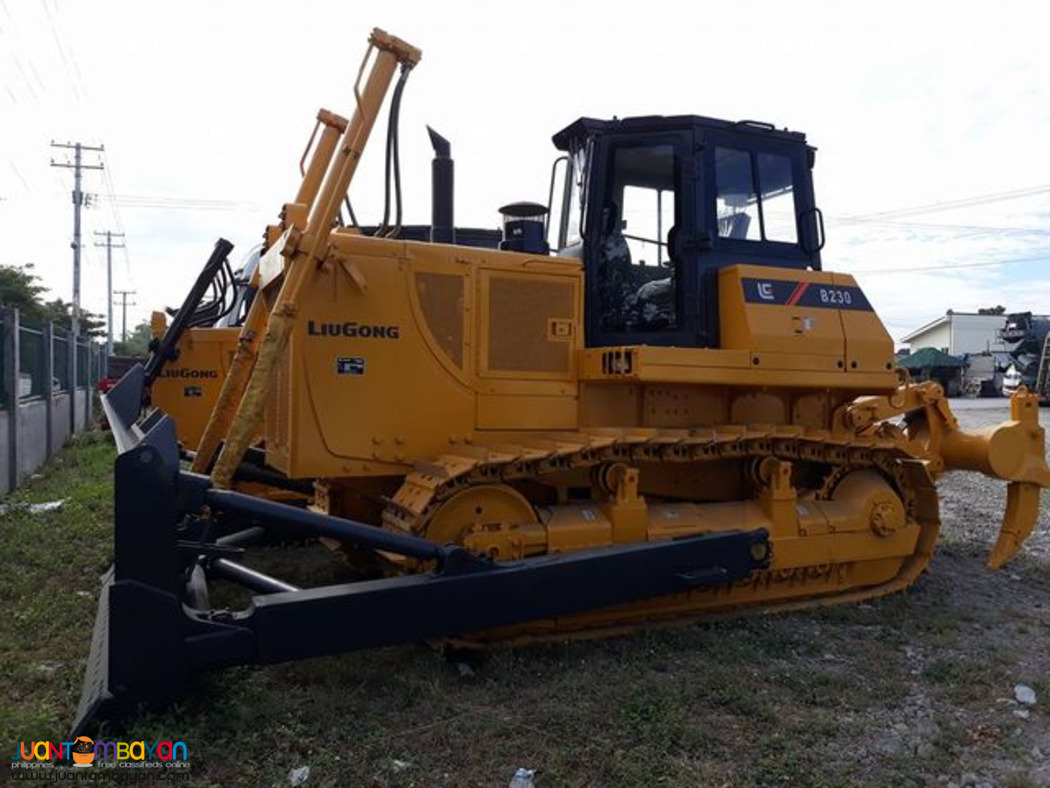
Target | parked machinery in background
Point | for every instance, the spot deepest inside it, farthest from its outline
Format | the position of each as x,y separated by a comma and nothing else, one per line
1024,336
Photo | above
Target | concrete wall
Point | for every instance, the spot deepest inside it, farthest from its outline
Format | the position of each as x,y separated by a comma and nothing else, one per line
27,423
60,432
32,437
32,444
960,333
81,409
975,333
939,336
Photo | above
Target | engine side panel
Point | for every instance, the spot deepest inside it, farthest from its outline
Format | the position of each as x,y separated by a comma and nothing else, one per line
189,385
403,350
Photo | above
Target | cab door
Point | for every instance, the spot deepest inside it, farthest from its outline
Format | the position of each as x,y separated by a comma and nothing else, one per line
641,280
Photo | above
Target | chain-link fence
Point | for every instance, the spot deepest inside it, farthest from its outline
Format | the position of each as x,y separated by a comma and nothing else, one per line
32,360
32,363
98,366
37,360
83,362
60,354
4,343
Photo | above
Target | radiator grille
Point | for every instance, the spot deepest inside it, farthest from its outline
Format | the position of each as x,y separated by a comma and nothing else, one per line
441,299
520,315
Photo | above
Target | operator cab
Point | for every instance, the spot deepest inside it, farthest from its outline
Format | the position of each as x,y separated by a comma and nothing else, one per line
655,206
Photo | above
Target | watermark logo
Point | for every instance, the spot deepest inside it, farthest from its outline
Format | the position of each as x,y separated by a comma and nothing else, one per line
83,752
87,752
86,760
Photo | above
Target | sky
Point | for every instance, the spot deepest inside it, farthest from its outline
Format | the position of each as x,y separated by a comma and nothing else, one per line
931,122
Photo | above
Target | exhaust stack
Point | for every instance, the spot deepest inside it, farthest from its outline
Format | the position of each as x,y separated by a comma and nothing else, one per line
442,191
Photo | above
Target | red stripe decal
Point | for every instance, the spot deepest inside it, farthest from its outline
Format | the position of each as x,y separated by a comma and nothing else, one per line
797,294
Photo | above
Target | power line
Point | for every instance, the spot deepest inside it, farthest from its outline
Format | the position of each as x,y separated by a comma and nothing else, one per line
974,228
179,203
62,54
948,266
25,78
115,211
18,174
966,202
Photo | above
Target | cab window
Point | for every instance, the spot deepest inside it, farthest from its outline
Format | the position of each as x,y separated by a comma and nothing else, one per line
577,198
755,198
778,198
637,281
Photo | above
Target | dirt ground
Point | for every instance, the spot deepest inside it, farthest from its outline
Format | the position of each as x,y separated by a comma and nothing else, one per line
917,689
1001,636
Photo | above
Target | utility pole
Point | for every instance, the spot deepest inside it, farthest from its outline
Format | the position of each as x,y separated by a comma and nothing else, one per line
124,308
110,246
78,200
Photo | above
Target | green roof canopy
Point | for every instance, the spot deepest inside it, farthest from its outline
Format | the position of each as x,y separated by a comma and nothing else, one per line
927,357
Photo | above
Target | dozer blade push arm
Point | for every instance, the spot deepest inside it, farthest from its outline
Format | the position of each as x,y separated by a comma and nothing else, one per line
331,128
165,350
1014,451
306,249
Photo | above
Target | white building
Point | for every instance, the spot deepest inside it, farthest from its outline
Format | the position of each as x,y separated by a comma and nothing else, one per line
959,332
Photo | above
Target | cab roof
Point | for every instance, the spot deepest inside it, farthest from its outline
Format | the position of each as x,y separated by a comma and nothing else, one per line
581,129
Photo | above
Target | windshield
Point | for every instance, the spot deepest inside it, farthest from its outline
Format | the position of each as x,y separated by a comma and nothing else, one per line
755,196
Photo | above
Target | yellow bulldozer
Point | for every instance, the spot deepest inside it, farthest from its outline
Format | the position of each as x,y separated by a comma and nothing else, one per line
676,413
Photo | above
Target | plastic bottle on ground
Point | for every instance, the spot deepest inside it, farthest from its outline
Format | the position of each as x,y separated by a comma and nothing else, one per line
522,779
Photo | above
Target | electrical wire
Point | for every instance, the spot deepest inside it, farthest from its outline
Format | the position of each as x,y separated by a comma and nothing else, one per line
14,169
965,202
62,54
107,179
179,203
948,267
966,228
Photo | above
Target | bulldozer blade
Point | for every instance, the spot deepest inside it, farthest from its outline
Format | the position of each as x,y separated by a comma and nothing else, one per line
1022,511
95,694
151,640
122,405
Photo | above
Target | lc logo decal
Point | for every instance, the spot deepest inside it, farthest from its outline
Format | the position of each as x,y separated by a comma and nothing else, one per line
807,295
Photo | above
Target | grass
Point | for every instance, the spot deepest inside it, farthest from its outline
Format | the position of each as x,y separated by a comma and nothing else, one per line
807,699
51,563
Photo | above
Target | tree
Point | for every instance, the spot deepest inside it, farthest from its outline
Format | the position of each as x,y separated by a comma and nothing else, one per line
20,288
992,310
60,313
137,343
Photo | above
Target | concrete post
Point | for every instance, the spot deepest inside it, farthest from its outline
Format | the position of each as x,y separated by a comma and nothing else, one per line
71,349
11,375
48,339
89,390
